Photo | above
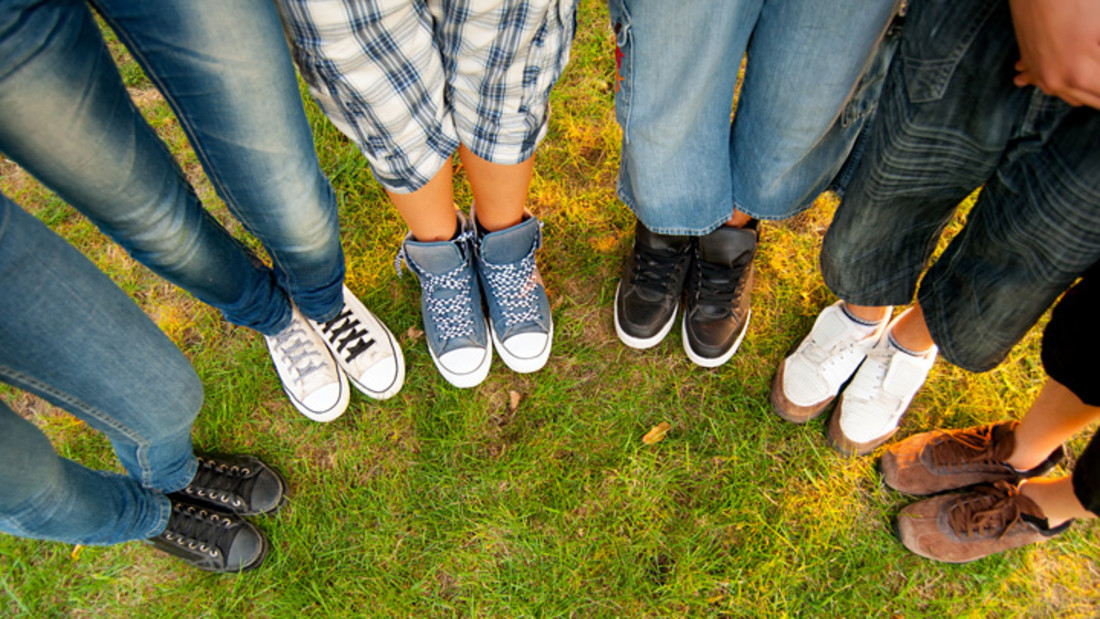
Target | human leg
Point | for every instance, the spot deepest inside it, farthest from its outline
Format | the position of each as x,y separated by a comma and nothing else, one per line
673,103
92,147
947,528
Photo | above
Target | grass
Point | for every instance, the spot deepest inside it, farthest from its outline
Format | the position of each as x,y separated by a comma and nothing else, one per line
445,502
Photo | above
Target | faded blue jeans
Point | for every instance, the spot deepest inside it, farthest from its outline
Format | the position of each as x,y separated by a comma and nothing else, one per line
684,166
225,70
70,335
949,121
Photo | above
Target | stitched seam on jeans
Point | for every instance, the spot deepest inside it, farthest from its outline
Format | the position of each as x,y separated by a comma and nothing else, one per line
35,386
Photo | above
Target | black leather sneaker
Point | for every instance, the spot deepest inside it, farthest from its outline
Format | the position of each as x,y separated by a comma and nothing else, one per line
649,293
240,484
211,540
717,311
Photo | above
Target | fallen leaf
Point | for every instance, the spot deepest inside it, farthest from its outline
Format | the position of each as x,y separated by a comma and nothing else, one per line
513,400
75,555
414,334
657,433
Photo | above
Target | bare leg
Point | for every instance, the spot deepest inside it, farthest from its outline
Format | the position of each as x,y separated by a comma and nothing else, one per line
1056,415
910,331
869,313
429,212
500,191
1056,498
739,219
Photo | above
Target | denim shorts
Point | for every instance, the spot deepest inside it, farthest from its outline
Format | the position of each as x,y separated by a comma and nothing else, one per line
949,121
811,80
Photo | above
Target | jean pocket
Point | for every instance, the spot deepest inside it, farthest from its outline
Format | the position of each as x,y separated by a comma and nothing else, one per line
937,35
624,59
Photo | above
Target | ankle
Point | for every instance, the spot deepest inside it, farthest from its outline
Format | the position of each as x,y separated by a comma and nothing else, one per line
866,314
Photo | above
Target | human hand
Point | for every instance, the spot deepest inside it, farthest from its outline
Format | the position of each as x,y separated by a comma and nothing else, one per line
1059,48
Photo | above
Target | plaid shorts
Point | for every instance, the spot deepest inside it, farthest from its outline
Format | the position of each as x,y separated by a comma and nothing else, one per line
408,81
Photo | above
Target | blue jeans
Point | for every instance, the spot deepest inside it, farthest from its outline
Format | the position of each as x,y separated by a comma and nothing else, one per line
684,167
68,334
225,70
949,121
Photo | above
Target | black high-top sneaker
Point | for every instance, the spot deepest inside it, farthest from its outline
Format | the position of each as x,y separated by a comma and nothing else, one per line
649,293
717,311
211,540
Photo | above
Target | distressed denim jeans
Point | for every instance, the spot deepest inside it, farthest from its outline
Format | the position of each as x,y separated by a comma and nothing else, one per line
225,70
684,166
949,121
71,336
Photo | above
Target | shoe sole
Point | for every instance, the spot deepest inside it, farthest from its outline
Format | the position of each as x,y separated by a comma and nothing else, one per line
523,365
642,343
398,380
469,379
395,348
847,446
713,362
333,413
782,407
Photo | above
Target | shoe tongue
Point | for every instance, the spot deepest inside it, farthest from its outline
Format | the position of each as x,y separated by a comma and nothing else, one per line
727,245
662,242
436,258
511,244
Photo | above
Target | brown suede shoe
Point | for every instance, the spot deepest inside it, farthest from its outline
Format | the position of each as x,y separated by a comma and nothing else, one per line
943,460
958,528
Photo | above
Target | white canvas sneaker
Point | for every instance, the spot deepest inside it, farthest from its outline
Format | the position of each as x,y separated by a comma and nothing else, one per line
364,348
871,407
808,380
310,375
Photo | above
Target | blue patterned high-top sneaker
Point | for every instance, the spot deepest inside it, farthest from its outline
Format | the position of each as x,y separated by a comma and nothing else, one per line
450,302
519,312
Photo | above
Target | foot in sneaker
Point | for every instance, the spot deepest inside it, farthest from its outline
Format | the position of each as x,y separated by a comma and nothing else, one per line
870,409
364,348
310,375
717,313
649,292
519,312
450,302
808,380
211,540
243,485
942,460
958,528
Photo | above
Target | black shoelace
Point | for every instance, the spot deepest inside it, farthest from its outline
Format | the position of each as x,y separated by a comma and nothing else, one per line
221,483
655,268
719,284
347,335
199,530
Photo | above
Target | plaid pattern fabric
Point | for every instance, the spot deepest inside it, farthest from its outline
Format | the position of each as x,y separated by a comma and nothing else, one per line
409,80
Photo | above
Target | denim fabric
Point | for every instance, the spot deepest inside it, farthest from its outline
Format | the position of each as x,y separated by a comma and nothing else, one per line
949,120
68,334
225,70
684,167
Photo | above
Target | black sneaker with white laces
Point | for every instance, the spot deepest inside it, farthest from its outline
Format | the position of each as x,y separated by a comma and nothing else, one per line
364,348
717,311
649,293
211,540
243,485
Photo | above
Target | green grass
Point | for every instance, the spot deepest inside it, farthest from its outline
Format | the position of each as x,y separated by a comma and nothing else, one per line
445,502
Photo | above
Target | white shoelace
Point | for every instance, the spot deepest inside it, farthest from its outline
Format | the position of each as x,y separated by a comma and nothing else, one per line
514,288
